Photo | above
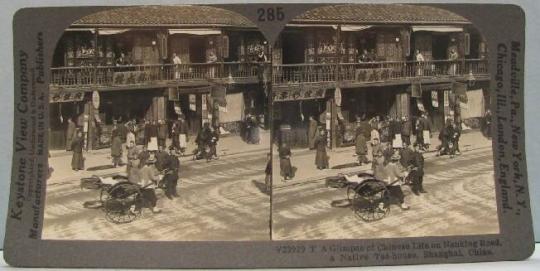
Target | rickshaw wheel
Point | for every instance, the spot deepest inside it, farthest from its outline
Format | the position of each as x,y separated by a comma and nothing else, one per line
120,211
118,201
370,205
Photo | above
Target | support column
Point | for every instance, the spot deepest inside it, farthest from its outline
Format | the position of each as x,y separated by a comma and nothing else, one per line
331,112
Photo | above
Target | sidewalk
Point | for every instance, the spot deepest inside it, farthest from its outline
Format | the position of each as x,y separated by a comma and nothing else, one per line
343,161
100,160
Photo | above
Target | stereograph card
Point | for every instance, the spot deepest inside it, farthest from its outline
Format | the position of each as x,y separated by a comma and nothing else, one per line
268,135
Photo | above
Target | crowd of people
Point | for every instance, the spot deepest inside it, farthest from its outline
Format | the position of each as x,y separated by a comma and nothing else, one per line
394,148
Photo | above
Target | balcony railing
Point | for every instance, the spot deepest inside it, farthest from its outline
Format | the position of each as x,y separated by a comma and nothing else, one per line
155,73
376,71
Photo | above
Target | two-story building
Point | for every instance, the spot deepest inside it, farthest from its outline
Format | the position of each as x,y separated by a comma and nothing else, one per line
153,63
339,62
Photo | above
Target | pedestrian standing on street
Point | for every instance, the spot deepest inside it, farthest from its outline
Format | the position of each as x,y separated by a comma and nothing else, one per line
77,144
143,156
361,148
446,135
147,132
202,140
70,133
321,157
170,177
161,158
212,143
254,130
285,166
406,155
457,135
162,133
268,173
377,161
175,136
374,135
417,172
153,135
423,135
132,157
406,130
312,132
130,137
486,124
116,149
183,133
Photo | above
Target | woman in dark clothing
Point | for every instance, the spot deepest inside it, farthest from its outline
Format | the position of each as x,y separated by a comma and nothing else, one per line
321,158
285,162
268,173
77,161
116,150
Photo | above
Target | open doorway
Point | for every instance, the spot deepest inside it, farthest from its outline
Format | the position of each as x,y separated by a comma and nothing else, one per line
197,50
440,47
293,47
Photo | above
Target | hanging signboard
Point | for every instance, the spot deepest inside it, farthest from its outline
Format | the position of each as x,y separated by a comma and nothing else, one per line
434,99
302,92
337,96
65,96
95,99
192,102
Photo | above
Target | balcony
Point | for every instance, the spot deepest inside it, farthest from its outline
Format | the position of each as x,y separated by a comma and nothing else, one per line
157,75
373,73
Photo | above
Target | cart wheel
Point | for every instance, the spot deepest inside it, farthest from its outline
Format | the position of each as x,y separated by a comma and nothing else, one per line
370,205
120,211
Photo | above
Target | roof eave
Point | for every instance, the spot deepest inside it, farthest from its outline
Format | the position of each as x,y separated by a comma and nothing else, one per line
316,21
84,25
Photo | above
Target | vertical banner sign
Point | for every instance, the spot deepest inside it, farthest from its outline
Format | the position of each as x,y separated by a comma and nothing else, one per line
337,96
434,99
192,102
95,99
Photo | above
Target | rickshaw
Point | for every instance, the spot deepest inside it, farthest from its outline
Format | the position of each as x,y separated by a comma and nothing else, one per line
368,197
120,199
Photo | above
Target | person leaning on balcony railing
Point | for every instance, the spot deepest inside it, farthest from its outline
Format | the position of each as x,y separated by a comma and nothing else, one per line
364,57
212,59
176,61
419,65
261,60
453,57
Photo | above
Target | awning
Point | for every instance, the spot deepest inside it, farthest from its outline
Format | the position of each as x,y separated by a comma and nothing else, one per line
437,28
80,30
311,25
112,31
350,28
199,31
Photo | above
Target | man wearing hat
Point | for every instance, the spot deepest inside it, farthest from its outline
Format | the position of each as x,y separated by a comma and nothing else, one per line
149,177
170,178
417,172
391,173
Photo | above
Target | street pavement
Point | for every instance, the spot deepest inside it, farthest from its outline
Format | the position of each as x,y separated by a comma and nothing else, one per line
219,200
460,199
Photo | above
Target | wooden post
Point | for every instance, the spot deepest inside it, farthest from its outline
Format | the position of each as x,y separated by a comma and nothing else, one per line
331,111
338,51
95,55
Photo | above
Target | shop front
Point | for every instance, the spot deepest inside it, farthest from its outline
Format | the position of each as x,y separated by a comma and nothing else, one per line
369,102
294,106
64,107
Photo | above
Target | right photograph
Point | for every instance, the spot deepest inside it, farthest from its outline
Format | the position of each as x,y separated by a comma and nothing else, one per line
381,125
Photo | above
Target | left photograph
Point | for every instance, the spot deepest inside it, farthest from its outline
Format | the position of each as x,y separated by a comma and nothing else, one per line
159,127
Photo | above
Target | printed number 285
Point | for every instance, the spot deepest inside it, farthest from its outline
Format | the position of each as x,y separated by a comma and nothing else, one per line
270,14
